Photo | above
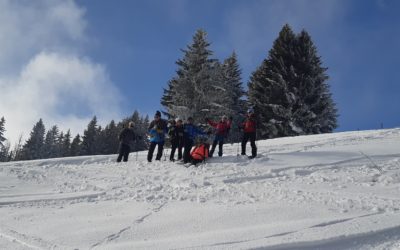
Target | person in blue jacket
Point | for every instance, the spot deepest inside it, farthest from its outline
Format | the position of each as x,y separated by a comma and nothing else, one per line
157,130
190,133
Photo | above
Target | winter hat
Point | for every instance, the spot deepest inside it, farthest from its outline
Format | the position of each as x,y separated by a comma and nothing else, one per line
158,114
178,120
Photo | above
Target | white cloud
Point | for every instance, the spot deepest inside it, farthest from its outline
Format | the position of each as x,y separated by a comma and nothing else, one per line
43,75
28,27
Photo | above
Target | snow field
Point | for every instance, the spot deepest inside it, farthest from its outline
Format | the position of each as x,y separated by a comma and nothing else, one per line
333,191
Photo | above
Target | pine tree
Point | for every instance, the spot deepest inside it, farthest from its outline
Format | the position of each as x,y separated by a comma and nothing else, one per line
268,87
50,148
188,93
59,141
2,130
109,138
289,91
65,144
236,104
33,148
76,145
5,154
89,146
315,109
219,93
99,141
4,147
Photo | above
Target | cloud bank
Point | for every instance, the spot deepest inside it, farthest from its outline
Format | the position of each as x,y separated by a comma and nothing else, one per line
43,70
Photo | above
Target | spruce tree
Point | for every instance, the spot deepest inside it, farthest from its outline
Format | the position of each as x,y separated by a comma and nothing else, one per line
59,142
88,146
236,105
188,93
33,148
4,148
315,109
50,148
99,141
219,94
2,130
109,138
76,144
65,144
5,154
289,91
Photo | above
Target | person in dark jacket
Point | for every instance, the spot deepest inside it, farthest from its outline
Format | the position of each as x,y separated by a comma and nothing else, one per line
190,133
126,137
249,127
221,132
157,130
175,133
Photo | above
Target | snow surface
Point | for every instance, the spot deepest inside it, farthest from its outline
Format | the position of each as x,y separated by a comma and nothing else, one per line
333,191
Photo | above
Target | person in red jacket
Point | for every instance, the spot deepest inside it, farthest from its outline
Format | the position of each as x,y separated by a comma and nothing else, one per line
221,132
249,127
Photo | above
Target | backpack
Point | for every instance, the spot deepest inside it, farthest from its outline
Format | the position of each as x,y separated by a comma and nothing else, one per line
200,152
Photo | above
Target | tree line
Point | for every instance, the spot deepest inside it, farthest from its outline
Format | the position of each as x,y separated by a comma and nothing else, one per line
288,91
54,143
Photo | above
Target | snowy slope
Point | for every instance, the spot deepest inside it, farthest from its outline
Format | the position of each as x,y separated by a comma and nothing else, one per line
334,191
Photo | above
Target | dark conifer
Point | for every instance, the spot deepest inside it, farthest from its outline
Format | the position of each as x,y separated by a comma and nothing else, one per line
2,130
76,144
65,144
90,134
4,146
289,91
50,148
187,93
33,148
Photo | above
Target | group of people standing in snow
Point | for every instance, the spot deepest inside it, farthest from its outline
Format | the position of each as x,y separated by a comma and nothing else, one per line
183,136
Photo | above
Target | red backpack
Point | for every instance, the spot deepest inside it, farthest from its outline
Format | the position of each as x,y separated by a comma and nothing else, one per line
200,152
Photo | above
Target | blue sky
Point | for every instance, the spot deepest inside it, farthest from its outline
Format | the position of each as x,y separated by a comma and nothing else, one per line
117,56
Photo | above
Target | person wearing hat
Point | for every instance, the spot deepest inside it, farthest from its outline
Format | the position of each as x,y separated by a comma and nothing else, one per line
126,137
249,127
221,132
157,130
190,133
175,133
